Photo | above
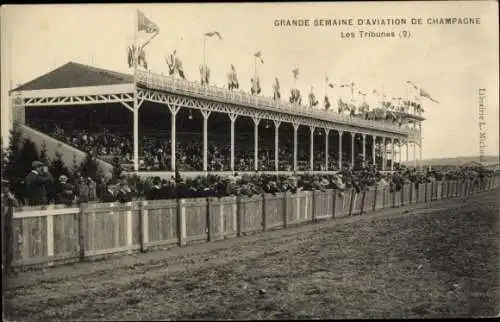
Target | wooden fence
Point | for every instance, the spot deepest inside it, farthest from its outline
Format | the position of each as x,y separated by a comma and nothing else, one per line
55,234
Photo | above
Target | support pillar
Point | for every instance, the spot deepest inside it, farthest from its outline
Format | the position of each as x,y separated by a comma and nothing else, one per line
173,131
399,152
233,118
311,148
420,146
353,135
327,134
136,132
374,150
364,150
392,154
206,115
407,148
295,129
415,155
340,149
383,148
276,144
256,122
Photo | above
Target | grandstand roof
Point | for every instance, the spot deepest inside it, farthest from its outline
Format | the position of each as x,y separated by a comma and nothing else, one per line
74,74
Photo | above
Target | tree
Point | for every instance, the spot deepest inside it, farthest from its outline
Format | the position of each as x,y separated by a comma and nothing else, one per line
75,168
43,154
4,161
13,172
20,156
89,167
57,166
117,168
29,154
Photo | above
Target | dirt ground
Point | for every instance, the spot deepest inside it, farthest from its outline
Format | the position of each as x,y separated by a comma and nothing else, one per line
437,260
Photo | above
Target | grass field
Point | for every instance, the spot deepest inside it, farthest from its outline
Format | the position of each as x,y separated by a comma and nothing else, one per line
431,261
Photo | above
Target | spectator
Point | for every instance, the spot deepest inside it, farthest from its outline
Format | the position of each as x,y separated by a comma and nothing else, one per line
124,193
154,192
65,192
92,189
82,190
36,183
108,195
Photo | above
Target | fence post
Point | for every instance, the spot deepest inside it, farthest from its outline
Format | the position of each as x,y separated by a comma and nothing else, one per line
81,231
351,203
239,222
7,242
426,193
264,217
143,222
313,215
334,211
181,222
50,239
209,219
393,196
363,202
285,209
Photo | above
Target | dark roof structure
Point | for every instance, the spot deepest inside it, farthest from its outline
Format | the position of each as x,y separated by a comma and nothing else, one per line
74,74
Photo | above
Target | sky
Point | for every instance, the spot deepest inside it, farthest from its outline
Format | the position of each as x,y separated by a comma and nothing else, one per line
451,62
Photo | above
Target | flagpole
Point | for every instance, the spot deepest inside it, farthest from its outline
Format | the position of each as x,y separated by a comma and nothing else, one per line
135,111
325,83
255,67
204,51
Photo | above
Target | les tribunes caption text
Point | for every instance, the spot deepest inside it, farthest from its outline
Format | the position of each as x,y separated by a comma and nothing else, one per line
376,22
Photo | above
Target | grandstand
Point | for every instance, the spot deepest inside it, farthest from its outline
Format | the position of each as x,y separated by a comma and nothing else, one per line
179,124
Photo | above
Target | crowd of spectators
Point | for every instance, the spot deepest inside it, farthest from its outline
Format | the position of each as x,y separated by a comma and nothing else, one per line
155,155
104,142
41,188
108,143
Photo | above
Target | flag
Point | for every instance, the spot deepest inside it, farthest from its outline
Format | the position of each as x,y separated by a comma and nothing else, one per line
141,58
276,89
326,81
312,99
146,25
412,84
213,33
131,56
327,103
425,94
259,55
342,106
364,107
295,73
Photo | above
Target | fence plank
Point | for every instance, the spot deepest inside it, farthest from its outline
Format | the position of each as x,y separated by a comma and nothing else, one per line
274,208
251,214
223,217
387,197
324,203
406,195
370,195
342,203
357,203
195,224
396,197
421,194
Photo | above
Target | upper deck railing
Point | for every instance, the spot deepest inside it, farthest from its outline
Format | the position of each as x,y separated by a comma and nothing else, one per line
181,86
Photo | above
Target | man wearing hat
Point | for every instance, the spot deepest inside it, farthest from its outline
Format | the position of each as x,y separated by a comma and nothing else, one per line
64,191
36,184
